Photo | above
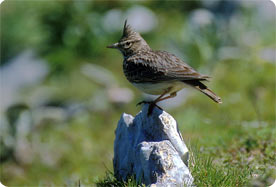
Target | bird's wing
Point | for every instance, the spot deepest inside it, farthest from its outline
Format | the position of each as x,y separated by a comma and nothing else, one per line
159,66
176,68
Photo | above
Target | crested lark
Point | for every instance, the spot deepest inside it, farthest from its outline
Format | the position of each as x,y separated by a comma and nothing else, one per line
157,72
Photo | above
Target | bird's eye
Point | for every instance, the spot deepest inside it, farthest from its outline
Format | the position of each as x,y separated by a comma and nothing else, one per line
127,44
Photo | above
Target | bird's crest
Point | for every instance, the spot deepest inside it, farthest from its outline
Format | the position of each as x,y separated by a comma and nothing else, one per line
129,32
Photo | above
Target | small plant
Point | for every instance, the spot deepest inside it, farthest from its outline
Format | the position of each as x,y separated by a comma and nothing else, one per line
207,172
111,181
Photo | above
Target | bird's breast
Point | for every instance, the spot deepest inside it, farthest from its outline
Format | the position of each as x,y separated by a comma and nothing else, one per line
147,79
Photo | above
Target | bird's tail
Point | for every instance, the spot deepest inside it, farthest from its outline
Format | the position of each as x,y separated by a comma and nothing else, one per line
204,89
211,95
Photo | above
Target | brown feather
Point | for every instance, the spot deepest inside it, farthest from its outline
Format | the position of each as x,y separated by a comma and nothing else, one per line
204,89
158,66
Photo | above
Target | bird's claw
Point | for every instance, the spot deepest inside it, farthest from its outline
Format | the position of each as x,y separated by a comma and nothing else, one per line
144,102
151,106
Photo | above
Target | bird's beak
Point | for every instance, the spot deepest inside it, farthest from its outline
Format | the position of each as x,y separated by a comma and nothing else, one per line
113,45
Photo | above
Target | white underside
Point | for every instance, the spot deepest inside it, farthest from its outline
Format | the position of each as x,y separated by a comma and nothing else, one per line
160,88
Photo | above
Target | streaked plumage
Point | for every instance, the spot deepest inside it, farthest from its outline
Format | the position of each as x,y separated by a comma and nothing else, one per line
157,72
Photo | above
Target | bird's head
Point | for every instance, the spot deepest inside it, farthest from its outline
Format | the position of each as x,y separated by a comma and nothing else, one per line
130,42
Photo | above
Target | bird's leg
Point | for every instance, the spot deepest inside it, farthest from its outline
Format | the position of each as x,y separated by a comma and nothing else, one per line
144,102
164,98
161,96
152,102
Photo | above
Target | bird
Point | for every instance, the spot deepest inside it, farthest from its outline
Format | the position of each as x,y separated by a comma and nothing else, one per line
157,72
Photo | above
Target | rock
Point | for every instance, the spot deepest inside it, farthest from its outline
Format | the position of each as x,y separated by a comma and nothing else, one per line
152,149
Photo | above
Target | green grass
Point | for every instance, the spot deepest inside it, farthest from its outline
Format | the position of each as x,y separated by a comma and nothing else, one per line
109,180
232,144
207,173
246,160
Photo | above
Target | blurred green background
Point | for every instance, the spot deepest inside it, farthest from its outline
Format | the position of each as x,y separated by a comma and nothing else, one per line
63,91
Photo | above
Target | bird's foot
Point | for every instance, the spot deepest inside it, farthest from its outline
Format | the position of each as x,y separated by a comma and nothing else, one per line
144,102
152,104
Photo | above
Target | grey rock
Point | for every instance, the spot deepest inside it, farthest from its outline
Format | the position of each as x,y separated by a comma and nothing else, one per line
152,149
